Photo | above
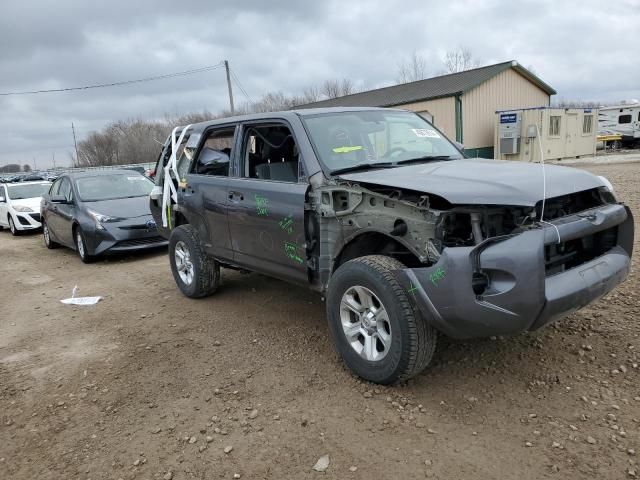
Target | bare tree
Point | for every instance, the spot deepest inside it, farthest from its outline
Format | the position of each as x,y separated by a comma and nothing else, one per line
459,60
10,168
335,88
26,167
412,69
310,94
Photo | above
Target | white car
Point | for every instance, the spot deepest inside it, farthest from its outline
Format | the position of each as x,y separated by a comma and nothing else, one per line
20,205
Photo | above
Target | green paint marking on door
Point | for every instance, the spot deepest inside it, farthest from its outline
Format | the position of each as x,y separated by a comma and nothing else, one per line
286,224
261,205
291,251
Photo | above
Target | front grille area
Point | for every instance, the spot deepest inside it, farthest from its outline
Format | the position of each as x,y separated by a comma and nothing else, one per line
23,221
563,256
564,205
138,242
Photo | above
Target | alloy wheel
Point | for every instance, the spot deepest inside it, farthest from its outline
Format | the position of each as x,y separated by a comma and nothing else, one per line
365,323
184,264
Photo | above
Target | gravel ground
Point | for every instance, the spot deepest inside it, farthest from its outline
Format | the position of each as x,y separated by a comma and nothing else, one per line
245,384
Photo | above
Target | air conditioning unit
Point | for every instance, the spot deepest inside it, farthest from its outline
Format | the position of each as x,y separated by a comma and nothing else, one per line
509,133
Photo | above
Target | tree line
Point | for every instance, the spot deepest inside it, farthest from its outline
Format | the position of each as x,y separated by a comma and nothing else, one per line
139,141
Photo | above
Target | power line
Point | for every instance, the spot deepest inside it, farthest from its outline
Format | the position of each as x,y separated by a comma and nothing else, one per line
237,80
115,84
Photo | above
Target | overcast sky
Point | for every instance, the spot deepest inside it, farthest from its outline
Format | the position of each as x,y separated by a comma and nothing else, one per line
584,49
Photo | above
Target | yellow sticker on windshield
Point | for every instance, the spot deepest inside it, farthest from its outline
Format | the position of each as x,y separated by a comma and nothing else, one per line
347,149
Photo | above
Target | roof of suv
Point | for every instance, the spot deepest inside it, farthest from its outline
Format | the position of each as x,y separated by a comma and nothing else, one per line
95,173
304,112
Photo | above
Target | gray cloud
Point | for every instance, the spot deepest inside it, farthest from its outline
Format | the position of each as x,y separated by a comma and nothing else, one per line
580,49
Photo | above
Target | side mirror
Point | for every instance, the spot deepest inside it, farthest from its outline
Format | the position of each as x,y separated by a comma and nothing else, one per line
59,199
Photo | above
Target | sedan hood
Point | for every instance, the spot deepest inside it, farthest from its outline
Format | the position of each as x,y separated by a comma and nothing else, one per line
121,207
33,203
487,182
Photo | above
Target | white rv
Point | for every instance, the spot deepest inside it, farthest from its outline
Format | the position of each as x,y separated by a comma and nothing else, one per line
623,120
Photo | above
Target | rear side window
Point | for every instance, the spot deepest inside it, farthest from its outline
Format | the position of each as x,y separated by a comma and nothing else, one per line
214,157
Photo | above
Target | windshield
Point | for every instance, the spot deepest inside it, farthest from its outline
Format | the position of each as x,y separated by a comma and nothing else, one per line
346,139
110,187
18,192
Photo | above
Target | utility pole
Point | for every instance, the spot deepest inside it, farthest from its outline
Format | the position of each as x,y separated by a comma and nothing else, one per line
53,156
226,67
35,169
73,129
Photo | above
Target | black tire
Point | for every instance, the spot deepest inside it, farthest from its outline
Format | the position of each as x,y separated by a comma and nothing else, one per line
12,227
46,235
413,340
204,270
81,246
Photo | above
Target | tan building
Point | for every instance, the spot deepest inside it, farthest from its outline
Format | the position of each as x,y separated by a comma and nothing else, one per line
463,104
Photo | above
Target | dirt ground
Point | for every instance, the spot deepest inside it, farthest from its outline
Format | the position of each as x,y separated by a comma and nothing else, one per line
151,385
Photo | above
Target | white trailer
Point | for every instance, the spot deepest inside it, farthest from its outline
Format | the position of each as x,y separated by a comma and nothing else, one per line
527,134
622,120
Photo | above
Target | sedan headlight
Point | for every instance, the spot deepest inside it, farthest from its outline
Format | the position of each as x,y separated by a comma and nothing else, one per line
100,218
22,208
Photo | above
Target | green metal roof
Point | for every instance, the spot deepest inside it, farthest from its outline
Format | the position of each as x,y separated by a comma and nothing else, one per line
430,88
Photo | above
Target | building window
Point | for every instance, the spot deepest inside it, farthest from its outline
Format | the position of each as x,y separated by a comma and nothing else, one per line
624,119
587,124
554,126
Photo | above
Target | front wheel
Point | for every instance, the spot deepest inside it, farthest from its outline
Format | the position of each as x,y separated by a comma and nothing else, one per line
377,332
81,247
12,227
46,234
196,274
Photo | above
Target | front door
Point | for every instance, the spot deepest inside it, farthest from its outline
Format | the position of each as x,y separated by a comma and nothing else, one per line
4,211
266,204
60,215
571,134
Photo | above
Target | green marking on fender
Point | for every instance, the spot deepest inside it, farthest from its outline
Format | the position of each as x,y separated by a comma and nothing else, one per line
437,275
347,149
413,289
261,205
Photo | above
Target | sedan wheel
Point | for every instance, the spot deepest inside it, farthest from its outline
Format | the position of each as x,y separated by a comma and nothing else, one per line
47,236
12,227
82,247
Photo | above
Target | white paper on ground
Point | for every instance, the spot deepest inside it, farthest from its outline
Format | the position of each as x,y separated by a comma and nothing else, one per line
80,300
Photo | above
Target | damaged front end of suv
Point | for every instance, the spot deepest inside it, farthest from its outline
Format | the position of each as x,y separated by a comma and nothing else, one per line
476,268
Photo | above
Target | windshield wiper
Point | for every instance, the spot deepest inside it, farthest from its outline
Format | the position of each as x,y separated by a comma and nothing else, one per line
426,158
363,166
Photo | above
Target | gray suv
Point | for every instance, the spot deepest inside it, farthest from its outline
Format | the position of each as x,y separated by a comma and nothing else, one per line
381,214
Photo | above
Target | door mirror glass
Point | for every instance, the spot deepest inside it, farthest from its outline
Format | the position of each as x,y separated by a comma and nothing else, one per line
59,199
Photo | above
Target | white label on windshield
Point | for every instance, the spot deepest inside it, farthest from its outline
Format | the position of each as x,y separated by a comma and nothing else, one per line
139,179
425,133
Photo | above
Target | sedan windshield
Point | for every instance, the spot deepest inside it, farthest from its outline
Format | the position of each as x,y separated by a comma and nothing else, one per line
375,139
111,187
33,190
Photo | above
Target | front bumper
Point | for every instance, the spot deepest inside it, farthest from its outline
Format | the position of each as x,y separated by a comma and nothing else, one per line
27,221
520,296
124,236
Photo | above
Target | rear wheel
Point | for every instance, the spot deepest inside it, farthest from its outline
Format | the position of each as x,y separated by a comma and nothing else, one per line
376,330
81,247
196,274
12,227
47,236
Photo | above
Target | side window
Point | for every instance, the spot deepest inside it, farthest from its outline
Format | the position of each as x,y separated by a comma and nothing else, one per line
624,119
214,157
270,153
554,125
166,155
65,189
55,188
3,192
587,124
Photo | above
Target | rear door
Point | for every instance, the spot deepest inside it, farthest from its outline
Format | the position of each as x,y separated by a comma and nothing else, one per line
203,196
155,197
266,203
